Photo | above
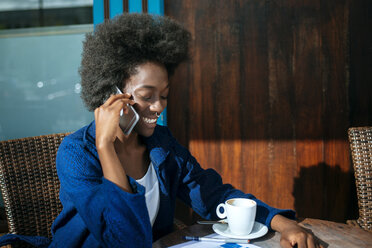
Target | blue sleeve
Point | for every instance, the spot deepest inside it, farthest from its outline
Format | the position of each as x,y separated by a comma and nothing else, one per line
203,190
115,218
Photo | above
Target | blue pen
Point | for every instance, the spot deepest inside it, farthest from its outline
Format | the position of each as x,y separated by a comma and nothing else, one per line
195,238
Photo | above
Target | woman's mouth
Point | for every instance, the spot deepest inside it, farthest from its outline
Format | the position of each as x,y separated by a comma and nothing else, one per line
149,120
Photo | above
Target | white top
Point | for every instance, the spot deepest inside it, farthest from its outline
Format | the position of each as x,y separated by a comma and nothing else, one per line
151,184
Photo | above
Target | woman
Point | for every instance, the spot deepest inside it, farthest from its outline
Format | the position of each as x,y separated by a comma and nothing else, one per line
101,169
118,190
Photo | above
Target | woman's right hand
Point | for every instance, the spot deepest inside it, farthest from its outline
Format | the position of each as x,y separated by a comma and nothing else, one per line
107,118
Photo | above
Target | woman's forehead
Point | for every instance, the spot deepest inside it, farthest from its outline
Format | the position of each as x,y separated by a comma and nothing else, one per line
149,76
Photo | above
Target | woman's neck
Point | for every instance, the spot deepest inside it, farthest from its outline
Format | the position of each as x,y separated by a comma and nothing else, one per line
132,154
128,144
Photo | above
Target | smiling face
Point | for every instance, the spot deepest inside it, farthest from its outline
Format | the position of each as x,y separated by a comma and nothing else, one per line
149,88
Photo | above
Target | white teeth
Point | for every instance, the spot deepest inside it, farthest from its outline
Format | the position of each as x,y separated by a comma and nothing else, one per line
148,120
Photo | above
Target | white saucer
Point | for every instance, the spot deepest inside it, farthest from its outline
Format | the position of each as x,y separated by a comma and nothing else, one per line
259,230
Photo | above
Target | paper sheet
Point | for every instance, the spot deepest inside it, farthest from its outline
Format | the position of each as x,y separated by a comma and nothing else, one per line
204,244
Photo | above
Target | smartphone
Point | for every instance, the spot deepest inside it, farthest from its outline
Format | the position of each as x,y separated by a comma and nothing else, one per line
127,121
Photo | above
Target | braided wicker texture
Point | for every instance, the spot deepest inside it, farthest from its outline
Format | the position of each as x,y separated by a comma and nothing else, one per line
361,149
29,183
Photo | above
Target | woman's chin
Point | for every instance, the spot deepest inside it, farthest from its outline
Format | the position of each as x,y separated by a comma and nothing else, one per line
145,130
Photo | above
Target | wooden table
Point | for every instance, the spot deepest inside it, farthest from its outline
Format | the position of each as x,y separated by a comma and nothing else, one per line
330,234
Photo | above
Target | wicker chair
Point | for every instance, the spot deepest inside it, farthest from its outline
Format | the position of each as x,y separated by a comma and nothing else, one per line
360,139
29,183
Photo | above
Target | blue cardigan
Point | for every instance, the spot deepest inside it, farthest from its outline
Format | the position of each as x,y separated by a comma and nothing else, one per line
97,213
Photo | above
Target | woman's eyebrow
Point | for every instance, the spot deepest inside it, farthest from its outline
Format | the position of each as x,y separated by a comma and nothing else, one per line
150,87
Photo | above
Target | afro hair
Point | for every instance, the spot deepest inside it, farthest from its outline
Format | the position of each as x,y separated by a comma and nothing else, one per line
113,51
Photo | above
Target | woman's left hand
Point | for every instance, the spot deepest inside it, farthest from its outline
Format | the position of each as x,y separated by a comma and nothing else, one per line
293,234
296,235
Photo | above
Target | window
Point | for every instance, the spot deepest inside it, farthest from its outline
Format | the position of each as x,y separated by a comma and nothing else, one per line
43,13
40,47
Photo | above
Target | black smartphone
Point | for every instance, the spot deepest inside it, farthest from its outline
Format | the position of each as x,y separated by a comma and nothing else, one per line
127,121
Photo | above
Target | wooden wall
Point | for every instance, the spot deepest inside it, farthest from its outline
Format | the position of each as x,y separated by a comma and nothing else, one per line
269,94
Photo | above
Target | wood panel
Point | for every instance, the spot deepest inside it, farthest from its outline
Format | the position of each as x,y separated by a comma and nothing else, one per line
269,94
360,63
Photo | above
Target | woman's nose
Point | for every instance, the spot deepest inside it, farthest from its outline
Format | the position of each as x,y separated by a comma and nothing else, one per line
158,106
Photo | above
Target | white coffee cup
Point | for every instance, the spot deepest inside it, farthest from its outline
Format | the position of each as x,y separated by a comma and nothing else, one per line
240,213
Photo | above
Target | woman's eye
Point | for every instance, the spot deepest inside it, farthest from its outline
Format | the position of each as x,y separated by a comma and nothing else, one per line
151,97
146,98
